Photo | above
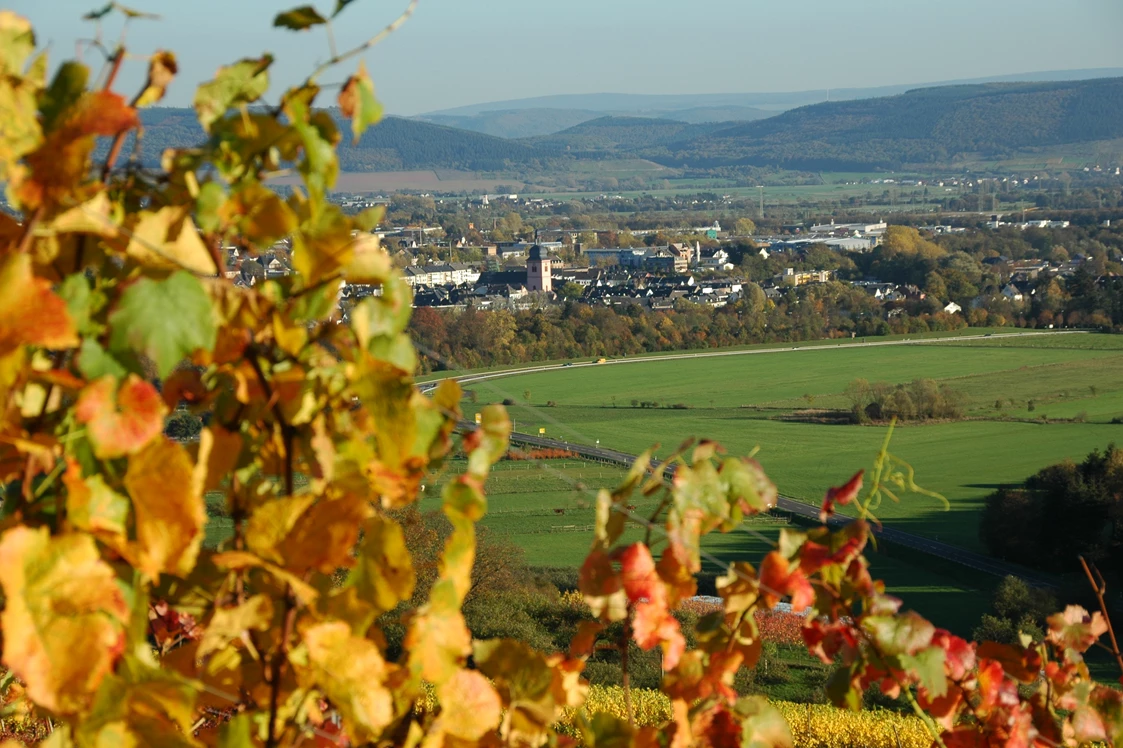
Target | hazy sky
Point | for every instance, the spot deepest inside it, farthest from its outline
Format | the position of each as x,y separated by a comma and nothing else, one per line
457,52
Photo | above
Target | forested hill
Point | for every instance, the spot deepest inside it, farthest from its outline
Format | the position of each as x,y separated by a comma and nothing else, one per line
394,144
402,144
928,125
622,134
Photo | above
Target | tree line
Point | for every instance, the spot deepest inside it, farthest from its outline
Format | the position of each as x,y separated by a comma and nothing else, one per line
472,338
1059,514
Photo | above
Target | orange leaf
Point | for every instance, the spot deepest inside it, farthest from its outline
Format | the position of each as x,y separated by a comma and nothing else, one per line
30,312
120,422
63,619
778,579
637,570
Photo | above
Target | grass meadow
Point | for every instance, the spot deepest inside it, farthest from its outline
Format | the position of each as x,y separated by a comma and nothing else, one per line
742,401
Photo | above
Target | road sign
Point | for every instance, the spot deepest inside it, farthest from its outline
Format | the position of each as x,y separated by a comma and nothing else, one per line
542,430
479,419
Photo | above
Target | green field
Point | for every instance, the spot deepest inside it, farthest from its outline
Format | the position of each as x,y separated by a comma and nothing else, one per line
546,508
739,401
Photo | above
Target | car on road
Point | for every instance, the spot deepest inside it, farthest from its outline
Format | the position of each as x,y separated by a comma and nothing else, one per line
568,363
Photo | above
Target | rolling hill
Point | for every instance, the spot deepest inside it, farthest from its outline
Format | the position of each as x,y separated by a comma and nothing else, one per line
395,144
923,126
514,123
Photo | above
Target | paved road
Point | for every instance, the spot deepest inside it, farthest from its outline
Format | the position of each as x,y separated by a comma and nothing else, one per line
796,348
944,551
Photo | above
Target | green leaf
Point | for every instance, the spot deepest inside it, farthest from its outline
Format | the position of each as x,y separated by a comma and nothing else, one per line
95,15
762,726
241,83
236,733
211,198
165,320
66,88
299,19
357,102
928,667
95,363
80,302
339,6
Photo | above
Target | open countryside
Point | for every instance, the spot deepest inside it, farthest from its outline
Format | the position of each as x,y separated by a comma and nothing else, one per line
1073,383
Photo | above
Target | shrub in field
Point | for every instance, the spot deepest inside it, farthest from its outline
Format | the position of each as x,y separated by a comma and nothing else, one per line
546,453
122,629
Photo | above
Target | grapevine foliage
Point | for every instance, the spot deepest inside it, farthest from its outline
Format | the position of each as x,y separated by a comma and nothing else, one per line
121,627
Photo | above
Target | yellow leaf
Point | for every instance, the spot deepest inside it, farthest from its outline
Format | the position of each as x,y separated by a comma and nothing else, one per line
64,616
141,705
384,573
162,68
438,641
170,514
352,674
470,706
270,523
241,560
259,213
370,263
94,507
323,538
95,216
228,624
167,238
219,451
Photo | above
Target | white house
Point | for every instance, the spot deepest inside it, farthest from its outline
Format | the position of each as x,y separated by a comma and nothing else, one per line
953,308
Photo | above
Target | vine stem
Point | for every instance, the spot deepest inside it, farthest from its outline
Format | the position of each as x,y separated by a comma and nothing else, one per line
626,679
1099,586
277,667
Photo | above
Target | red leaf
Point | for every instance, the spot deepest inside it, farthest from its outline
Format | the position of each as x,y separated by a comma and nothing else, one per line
120,422
959,654
841,495
995,689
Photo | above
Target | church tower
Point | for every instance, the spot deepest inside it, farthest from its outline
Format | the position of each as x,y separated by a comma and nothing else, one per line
538,271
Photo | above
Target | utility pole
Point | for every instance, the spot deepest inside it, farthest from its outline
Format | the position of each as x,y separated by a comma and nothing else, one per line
761,188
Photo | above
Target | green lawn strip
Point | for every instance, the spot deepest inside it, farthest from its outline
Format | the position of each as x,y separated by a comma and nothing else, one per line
997,332
737,381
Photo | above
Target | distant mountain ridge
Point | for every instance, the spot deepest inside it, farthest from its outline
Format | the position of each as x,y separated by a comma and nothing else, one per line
614,102
922,126
926,126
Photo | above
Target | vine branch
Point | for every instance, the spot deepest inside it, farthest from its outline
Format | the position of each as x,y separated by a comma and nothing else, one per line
1099,586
